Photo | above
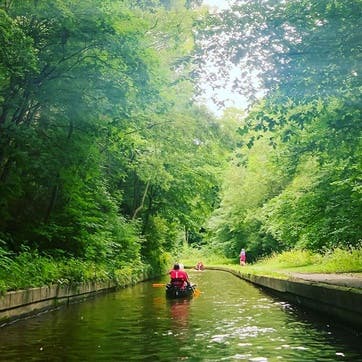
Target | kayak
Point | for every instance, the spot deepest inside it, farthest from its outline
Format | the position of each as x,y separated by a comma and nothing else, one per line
176,292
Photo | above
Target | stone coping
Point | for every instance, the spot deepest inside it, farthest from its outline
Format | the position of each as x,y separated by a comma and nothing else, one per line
20,303
342,303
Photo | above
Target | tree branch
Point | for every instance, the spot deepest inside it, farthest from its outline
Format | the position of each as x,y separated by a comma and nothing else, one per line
139,208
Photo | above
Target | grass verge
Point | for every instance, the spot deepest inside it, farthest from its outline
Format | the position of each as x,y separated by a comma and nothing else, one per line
29,269
294,261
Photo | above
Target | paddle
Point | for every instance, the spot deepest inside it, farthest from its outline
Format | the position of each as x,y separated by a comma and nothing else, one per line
196,292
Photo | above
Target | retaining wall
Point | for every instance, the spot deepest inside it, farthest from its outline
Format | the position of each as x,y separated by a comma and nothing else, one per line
24,302
341,303
21,303
344,304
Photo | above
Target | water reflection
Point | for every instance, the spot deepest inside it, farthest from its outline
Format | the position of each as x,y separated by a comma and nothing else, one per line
179,311
231,320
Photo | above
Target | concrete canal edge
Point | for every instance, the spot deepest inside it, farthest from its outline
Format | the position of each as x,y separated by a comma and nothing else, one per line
22,303
340,303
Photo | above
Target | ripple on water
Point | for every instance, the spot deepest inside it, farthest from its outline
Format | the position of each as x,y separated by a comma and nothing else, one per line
242,333
220,338
251,331
238,356
138,324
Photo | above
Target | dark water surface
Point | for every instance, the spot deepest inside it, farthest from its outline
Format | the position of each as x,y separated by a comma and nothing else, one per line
231,320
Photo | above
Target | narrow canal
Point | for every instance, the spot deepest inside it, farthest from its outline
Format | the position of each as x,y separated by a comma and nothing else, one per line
230,320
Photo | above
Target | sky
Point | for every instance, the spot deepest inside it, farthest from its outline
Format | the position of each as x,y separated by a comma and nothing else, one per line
226,94
221,4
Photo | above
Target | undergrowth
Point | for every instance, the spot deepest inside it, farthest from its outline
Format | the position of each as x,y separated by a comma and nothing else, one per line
190,256
335,261
338,260
29,269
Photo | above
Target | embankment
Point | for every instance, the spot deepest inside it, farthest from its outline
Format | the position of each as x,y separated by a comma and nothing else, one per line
21,303
338,302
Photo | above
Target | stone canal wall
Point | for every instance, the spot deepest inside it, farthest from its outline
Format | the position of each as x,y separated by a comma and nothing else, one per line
21,303
338,302
24,302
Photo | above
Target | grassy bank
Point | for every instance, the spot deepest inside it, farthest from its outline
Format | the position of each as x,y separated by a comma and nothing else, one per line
303,261
297,261
191,256
29,269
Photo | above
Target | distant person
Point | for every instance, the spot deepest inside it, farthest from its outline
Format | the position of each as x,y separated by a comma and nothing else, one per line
242,257
199,266
179,277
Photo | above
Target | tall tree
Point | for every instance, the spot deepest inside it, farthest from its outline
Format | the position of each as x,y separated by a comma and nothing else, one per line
307,56
307,48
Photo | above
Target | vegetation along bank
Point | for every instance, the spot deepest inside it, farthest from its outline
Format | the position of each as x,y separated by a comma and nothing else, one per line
112,162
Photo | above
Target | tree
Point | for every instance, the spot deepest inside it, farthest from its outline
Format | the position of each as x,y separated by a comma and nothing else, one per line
104,157
305,48
90,67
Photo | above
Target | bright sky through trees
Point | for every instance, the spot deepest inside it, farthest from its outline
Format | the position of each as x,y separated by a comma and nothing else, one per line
223,96
220,4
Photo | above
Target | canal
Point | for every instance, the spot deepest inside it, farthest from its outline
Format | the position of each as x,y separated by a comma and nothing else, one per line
230,320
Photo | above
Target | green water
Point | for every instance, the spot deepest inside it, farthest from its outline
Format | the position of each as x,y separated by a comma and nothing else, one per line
231,320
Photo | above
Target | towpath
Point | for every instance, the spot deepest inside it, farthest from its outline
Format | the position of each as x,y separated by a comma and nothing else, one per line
351,280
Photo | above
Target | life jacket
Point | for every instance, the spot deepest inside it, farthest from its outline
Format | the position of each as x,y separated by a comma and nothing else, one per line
178,278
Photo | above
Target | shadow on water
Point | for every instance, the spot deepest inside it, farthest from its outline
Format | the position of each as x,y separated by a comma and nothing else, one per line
230,320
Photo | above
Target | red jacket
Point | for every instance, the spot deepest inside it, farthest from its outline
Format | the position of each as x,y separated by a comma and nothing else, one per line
179,278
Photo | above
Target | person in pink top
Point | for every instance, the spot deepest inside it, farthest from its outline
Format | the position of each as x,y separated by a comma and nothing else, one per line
242,257
179,277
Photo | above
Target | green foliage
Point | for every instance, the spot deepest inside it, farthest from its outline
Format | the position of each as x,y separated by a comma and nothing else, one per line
291,259
248,184
29,269
295,184
295,176
54,190
306,48
336,260
190,256
103,159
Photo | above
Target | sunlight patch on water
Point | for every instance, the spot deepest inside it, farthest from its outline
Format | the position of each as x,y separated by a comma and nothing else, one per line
167,333
261,306
219,338
241,333
287,346
245,344
284,305
238,356
238,325
251,331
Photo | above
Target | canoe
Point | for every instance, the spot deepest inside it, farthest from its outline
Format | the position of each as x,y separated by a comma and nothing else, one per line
174,292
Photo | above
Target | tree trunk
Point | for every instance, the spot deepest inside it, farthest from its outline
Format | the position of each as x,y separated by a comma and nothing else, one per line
51,203
139,208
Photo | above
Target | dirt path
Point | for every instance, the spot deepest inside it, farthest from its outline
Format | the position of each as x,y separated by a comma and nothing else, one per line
352,280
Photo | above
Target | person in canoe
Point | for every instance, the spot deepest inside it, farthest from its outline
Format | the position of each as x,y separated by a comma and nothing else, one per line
199,266
179,277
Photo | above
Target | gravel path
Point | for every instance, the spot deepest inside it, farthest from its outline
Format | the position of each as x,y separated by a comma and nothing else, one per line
352,280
